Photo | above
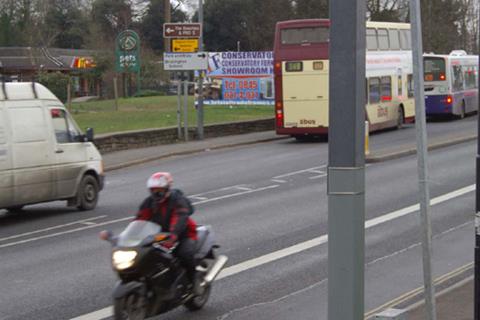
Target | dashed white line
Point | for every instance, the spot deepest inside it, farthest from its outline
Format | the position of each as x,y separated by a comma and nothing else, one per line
299,171
51,228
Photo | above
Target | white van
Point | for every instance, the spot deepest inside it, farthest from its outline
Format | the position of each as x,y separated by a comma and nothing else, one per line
43,154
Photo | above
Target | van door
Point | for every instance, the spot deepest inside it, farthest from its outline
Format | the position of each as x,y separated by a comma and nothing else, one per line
6,172
32,154
70,152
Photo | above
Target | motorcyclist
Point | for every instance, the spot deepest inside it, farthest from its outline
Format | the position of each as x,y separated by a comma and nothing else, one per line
172,214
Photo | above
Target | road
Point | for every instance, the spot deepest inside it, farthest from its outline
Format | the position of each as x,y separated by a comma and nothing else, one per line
268,206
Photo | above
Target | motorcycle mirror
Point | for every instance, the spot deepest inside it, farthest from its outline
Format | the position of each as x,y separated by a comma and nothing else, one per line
105,235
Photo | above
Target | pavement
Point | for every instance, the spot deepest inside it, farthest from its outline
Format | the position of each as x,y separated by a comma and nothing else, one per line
455,302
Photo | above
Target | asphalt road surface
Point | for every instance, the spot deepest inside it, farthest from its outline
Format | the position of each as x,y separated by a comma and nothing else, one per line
267,204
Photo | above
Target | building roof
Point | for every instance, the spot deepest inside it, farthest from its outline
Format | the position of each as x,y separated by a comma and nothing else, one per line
51,59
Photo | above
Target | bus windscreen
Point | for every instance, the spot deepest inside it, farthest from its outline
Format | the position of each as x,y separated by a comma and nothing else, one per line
304,35
434,69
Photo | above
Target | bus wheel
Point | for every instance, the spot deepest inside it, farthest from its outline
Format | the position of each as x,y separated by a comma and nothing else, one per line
462,111
400,118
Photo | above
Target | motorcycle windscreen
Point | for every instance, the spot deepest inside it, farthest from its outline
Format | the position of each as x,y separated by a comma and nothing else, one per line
136,231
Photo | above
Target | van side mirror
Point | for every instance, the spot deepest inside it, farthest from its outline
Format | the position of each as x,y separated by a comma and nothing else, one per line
89,134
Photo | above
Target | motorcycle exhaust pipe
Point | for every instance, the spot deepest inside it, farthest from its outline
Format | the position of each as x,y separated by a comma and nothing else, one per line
216,268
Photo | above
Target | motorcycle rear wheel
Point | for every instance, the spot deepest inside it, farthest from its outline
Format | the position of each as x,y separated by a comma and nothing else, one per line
197,302
132,307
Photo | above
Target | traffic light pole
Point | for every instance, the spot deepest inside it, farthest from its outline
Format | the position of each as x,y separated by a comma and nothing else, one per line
346,161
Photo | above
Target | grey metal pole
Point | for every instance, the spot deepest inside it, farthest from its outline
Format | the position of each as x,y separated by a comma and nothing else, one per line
200,80
422,160
185,107
168,17
179,102
346,168
476,296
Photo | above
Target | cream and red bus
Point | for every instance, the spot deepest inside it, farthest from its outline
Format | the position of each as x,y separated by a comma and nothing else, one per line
301,76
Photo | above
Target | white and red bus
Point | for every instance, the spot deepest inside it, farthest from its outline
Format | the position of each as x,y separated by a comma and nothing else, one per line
301,76
450,83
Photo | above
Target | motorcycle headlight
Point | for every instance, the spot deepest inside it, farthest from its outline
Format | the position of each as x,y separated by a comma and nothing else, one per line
123,259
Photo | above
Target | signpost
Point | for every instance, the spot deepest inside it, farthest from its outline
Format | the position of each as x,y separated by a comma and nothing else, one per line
185,45
185,61
185,57
182,30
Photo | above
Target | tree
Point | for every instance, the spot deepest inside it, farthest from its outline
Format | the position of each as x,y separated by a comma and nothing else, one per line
309,9
151,24
228,23
112,16
387,10
440,25
66,24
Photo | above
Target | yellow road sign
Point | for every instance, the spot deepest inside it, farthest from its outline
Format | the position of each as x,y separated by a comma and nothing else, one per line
185,45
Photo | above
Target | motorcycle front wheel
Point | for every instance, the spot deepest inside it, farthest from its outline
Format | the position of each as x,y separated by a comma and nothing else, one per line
132,307
197,302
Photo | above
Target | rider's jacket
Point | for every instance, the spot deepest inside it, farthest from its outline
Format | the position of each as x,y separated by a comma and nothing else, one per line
176,220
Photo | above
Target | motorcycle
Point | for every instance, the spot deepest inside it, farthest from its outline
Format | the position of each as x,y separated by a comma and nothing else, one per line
151,279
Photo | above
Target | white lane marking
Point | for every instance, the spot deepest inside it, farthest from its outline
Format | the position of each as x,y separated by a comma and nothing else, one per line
124,219
299,171
51,228
99,314
278,181
63,232
88,223
318,177
198,197
270,257
416,207
238,194
243,188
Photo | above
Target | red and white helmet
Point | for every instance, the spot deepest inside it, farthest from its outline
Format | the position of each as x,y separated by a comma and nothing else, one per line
160,180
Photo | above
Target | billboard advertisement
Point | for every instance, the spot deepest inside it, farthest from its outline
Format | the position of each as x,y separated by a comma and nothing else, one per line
239,78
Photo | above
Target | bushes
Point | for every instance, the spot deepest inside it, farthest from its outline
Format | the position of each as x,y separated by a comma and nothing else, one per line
57,82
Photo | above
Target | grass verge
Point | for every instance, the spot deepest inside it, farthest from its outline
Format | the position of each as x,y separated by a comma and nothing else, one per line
156,112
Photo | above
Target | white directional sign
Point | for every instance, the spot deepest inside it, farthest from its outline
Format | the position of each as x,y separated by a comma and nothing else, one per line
185,61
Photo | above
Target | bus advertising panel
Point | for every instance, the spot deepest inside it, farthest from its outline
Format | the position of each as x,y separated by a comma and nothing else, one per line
239,78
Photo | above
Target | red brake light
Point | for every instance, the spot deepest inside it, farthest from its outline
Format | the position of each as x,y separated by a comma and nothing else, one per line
449,100
442,76
279,118
386,98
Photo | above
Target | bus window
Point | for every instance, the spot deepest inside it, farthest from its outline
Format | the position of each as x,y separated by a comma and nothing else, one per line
470,81
372,39
304,35
374,90
434,69
400,86
386,88
457,79
405,41
394,39
475,73
410,86
383,39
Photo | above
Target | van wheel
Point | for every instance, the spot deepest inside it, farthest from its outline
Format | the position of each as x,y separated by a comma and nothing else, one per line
15,209
87,196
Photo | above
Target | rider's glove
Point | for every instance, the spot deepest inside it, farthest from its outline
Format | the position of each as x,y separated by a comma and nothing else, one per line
170,242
